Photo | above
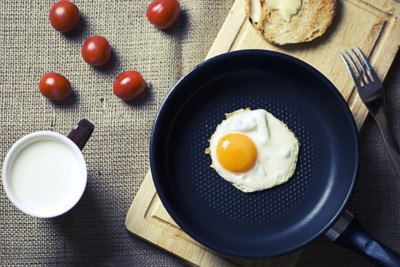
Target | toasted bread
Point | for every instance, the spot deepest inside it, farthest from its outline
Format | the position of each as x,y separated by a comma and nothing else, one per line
310,22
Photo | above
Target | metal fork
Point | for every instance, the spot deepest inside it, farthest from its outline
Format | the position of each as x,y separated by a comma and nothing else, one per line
370,90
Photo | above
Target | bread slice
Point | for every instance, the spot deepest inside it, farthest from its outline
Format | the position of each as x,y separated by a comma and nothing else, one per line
310,22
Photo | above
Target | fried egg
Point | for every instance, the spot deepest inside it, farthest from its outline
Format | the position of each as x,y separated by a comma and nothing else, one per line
253,150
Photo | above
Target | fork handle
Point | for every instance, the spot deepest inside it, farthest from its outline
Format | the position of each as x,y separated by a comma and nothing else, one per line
390,143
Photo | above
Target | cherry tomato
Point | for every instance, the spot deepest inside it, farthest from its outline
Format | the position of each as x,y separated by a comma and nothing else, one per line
163,13
54,86
96,50
64,16
129,85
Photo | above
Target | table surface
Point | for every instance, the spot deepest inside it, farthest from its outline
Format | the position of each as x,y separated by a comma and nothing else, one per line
117,154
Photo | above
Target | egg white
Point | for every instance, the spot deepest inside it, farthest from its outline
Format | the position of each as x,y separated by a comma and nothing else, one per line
277,149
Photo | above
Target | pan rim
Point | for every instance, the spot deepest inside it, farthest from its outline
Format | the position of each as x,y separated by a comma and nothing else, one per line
157,175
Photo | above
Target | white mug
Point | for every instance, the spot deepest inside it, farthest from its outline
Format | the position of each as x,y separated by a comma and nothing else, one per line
44,173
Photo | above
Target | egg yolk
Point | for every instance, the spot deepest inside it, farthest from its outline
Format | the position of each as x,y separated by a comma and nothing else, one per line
236,152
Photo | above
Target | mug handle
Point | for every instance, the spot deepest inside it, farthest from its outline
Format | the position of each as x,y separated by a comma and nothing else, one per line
81,133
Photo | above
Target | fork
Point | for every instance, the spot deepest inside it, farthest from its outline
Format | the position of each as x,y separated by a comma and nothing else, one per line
370,90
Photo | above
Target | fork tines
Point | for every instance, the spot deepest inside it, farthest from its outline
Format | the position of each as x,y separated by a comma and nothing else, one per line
364,76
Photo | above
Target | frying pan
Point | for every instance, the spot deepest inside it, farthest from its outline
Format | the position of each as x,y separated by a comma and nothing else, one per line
279,220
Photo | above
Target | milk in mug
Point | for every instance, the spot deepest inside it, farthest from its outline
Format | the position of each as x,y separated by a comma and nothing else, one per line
45,175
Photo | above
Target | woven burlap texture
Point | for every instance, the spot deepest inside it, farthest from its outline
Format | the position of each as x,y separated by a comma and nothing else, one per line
93,233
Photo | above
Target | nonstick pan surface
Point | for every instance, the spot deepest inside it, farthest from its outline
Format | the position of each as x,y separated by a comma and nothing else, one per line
270,222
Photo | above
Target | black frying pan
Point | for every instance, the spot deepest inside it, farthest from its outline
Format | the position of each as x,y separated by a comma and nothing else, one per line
274,221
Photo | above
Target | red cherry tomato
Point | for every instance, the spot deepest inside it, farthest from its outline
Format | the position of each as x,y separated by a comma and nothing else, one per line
129,85
96,50
54,86
163,13
64,16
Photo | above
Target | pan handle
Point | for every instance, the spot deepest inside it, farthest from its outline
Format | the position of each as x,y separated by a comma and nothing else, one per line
349,233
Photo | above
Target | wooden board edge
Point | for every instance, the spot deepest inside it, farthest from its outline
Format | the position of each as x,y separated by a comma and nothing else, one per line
144,190
229,30
389,7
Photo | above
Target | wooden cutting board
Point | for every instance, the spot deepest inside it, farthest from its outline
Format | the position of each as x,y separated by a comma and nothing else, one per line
373,25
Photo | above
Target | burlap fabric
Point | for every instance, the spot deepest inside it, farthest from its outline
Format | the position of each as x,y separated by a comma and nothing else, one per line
93,233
